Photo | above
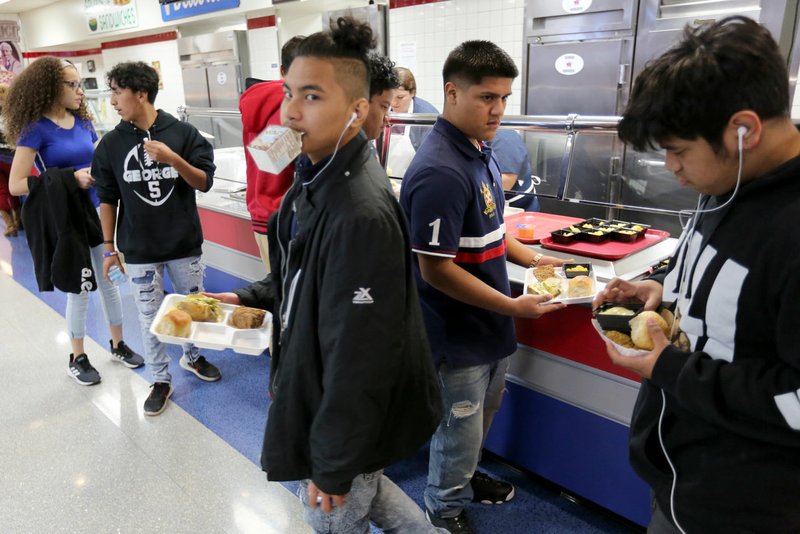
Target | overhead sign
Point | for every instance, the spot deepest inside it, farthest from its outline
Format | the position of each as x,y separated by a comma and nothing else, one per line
189,8
110,15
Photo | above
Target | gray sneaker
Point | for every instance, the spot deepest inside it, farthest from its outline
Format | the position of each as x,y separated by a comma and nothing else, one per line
82,371
126,355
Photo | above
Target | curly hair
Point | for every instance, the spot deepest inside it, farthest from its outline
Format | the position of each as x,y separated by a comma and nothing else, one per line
33,93
136,76
382,74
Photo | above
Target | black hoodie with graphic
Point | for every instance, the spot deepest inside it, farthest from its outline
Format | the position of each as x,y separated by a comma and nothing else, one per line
157,219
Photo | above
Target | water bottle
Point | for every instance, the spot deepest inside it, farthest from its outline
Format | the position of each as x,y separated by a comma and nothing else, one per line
116,275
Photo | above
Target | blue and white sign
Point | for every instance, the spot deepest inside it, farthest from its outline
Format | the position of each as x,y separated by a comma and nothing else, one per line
190,8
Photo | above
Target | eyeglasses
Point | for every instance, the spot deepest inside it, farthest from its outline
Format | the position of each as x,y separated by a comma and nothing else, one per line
73,84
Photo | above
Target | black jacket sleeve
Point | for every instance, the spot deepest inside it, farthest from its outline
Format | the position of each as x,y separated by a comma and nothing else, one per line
260,294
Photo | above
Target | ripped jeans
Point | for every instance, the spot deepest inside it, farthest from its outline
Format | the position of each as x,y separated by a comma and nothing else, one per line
147,282
471,396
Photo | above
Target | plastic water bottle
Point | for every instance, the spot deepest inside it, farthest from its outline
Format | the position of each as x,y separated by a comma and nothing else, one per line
116,275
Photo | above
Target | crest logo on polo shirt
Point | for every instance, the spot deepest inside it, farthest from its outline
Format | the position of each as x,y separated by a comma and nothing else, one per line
151,183
488,199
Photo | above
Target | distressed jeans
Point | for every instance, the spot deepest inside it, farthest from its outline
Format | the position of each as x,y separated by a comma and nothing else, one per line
78,303
372,498
471,397
147,282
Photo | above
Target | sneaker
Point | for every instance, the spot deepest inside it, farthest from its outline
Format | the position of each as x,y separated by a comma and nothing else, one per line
202,368
125,354
453,525
487,490
157,400
82,371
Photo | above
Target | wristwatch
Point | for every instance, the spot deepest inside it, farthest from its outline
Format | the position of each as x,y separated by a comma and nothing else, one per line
535,261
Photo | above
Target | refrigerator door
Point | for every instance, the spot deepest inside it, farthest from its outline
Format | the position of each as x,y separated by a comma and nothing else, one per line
224,90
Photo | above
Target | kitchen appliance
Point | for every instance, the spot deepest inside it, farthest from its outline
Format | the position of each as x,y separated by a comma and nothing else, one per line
214,67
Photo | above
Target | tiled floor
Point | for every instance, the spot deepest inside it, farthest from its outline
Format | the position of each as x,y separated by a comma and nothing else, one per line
81,459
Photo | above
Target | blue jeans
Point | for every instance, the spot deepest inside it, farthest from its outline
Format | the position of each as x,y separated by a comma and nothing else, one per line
372,498
471,397
78,303
147,281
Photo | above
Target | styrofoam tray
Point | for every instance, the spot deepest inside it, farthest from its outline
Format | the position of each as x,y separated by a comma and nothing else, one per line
217,336
623,351
564,286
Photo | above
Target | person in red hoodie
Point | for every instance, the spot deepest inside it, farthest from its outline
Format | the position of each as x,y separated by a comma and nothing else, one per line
260,106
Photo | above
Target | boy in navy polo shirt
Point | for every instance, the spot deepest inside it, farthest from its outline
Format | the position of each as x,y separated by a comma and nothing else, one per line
453,197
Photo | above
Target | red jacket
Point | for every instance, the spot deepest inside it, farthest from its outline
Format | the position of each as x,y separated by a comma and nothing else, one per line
260,106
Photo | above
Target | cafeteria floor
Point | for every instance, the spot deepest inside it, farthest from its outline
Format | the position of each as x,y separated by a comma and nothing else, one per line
78,459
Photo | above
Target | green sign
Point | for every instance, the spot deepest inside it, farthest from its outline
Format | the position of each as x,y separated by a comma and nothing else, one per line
110,15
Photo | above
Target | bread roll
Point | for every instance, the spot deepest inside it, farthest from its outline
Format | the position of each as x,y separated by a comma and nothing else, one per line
175,323
244,317
580,286
639,332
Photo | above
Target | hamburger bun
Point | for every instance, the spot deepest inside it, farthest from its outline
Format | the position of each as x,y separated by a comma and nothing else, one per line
580,286
639,332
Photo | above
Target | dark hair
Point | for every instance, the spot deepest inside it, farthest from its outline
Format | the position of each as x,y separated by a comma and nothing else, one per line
471,61
288,51
382,74
136,76
347,44
407,80
695,87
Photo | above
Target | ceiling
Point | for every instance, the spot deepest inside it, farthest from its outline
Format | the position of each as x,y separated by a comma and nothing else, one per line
18,6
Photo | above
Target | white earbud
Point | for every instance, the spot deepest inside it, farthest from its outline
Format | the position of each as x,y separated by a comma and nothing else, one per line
741,131
353,117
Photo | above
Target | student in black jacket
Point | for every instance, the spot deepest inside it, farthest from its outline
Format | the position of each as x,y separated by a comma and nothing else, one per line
716,428
352,383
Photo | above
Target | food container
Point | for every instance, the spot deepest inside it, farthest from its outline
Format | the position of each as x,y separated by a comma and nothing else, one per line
617,322
564,295
594,236
219,335
640,228
624,234
525,231
564,236
595,222
571,270
628,352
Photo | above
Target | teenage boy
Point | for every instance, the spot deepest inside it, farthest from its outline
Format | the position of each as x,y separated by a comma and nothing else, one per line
452,195
353,389
383,82
716,428
260,106
147,171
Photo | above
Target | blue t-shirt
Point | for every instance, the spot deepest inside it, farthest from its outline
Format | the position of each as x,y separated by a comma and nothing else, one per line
61,148
452,195
512,154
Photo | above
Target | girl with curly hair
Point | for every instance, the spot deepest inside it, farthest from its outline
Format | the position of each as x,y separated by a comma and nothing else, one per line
46,118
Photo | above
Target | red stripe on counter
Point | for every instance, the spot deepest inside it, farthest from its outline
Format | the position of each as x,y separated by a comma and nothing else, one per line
568,333
261,22
394,4
480,257
145,39
71,53
229,231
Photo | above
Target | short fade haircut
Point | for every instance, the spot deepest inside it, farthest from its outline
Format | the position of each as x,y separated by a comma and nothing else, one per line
288,51
136,76
382,74
346,45
471,61
693,89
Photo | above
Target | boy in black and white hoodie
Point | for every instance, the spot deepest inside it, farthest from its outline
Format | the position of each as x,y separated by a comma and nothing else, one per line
147,171
716,428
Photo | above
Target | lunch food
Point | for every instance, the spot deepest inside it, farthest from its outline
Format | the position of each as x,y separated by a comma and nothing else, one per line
577,268
620,338
543,272
176,323
639,332
549,286
617,310
201,308
244,317
580,286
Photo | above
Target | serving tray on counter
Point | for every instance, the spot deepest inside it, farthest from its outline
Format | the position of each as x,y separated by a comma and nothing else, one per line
608,250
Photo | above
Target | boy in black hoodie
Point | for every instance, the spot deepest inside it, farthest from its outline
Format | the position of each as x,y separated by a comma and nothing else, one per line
352,383
147,170
716,428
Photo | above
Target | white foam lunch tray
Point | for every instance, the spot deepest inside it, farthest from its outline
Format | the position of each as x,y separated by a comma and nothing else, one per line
564,286
623,351
217,336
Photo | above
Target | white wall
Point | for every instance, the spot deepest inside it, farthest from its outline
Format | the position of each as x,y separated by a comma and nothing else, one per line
435,29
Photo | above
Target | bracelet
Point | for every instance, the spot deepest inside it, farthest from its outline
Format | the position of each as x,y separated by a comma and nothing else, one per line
535,261
109,253
110,242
